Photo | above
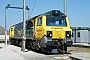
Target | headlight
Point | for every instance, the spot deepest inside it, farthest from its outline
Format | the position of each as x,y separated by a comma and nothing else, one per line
49,33
68,34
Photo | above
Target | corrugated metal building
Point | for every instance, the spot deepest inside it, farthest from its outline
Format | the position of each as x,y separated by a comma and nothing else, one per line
81,36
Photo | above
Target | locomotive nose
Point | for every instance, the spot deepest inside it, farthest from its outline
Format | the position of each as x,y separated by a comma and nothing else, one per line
58,34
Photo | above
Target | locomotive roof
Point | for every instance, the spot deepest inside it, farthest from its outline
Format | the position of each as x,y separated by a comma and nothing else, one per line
52,12
55,12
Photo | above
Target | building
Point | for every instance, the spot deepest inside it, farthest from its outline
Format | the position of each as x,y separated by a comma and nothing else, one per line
2,34
81,36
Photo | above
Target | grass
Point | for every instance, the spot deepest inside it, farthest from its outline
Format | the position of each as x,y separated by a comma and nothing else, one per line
80,49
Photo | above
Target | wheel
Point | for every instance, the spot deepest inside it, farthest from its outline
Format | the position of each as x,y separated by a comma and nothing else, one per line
37,48
11,42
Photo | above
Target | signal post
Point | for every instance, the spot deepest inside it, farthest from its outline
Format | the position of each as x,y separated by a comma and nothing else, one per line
24,18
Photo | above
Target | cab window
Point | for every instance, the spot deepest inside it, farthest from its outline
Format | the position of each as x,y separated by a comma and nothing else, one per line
56,21
39,21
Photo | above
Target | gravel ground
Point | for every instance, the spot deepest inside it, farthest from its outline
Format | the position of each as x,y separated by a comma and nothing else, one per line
79,52
6,53
76,52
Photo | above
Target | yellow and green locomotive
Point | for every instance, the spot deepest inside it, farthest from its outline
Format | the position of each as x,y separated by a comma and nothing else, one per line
47,31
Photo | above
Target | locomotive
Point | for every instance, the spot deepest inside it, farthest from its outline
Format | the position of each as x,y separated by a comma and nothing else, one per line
47,31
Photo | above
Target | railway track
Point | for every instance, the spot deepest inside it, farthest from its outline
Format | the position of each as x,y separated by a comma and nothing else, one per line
61,56
66,58
73,58
84,46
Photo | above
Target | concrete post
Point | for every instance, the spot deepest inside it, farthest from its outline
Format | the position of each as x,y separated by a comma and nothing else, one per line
5,26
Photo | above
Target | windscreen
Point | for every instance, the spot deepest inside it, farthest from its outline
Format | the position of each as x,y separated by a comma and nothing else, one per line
56,21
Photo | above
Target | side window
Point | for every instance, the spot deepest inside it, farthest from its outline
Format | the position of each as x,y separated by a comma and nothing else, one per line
11,29
39,22
78,34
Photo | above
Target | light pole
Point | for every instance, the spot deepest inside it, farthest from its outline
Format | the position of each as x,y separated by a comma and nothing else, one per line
27,8
5,27
6,7
65,7
24,18
65,14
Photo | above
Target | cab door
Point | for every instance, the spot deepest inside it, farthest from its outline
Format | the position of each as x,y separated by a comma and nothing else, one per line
39,28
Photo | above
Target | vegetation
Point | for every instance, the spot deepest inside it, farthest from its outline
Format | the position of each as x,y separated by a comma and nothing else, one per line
80,28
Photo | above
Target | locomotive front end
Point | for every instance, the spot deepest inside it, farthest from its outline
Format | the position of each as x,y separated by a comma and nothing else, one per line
52,31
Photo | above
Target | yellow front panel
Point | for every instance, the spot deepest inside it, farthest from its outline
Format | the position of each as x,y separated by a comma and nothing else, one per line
58,34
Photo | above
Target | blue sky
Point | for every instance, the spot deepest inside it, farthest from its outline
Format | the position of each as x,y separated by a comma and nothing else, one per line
78,11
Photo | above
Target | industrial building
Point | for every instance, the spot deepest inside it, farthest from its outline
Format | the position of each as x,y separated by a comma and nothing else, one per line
81,36
2,34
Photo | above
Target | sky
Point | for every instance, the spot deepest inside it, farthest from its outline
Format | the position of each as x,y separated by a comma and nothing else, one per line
78,11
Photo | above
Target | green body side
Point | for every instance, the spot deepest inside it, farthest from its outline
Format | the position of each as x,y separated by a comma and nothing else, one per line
19,30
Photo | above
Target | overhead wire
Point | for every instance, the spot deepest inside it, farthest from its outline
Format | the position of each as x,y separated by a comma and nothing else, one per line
33,7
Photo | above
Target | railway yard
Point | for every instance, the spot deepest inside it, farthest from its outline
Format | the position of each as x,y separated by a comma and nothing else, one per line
47,34
12,52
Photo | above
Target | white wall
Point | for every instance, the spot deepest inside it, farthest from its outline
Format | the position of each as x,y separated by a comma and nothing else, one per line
3,37
84,36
